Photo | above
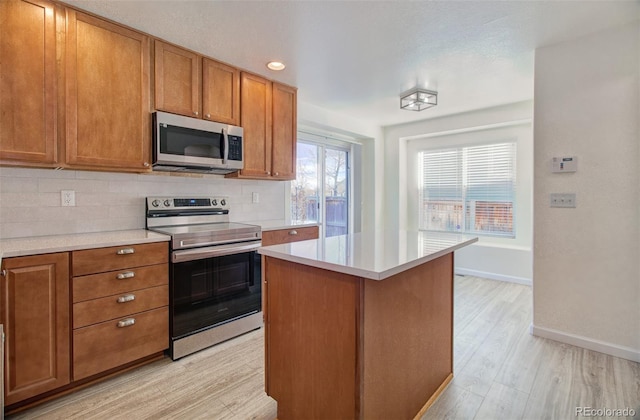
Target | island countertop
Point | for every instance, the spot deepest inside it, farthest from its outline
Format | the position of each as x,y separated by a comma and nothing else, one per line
373,255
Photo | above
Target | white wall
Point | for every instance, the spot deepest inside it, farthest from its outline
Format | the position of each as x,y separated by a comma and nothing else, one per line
491,257
30,199
324,121
586,278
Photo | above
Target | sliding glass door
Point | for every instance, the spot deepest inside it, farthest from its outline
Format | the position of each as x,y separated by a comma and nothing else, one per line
321,191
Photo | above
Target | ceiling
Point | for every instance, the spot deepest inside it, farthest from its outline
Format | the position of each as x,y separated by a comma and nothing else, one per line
356,57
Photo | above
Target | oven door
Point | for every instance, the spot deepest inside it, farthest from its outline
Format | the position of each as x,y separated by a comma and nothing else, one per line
209,291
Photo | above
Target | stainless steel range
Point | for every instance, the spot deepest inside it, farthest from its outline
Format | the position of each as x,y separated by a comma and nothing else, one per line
215,276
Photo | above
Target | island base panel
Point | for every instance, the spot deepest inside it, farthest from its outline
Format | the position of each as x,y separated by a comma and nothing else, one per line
311,338
343,347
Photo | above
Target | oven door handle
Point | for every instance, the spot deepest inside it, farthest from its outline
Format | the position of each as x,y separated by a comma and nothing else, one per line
213,251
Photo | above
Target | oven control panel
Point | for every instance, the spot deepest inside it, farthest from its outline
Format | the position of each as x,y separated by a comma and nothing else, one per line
168,203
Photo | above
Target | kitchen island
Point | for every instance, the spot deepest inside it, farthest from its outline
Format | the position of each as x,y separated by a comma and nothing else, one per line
359,326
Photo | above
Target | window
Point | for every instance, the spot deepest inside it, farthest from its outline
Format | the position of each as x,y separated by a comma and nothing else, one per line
320,193
469,189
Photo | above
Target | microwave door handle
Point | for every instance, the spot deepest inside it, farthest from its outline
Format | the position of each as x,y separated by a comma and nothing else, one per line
225,147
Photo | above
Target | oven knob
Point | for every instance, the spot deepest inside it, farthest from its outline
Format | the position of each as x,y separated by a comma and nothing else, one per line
155,203
167,203
214,202
223,202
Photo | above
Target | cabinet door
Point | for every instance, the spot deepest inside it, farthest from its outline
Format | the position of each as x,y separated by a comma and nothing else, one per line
177,80
283,149
35,314
220,92
255,118
107,94
28,80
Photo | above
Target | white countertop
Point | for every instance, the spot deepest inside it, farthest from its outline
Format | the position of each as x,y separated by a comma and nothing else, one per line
279,224
17,247
373,255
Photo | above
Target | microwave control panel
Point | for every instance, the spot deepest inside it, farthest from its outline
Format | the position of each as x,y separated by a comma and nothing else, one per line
235,148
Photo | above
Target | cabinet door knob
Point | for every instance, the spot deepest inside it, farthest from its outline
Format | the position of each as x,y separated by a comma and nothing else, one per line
3,273
127,275
276,174
146,164
293,232
268,173
125,251
208,116
126,322
195,113
126,298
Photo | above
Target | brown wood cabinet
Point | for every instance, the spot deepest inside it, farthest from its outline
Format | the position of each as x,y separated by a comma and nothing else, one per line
292,234
120,306
277,237
28,86
35,314
107,95
195,86
340,346
268,115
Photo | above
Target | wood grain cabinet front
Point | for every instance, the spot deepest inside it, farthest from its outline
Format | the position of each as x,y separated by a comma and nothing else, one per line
107,95
35,315
189,84
28,86
285,236
268,114
120,306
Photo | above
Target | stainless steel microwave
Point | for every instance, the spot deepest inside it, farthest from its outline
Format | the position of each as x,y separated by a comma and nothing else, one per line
184,144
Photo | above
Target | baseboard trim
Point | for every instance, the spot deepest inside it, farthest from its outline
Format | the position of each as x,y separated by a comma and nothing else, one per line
587,343
493,276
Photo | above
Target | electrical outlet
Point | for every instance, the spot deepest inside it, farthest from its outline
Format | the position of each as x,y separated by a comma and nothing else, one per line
255,197
67,198
562,200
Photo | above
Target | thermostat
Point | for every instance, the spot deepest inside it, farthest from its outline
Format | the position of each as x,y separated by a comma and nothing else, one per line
564,164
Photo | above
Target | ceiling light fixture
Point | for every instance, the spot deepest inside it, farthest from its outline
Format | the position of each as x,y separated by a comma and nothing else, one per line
275,65
418,99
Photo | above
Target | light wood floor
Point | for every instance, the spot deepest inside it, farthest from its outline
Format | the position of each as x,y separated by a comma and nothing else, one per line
501,372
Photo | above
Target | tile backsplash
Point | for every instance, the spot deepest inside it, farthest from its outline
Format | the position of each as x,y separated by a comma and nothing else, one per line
30,202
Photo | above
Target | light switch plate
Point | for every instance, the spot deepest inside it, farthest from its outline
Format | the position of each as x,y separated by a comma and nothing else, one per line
567,200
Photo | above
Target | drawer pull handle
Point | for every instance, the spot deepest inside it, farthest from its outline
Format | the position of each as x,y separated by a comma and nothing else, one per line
127,275
293,232
126,322
125,251
126,298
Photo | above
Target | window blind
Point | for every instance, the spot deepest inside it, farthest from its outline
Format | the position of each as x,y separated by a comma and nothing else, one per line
469,189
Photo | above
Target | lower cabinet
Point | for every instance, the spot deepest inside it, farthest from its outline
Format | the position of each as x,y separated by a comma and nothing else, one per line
35,314
120,306
71,316
285,236
113,343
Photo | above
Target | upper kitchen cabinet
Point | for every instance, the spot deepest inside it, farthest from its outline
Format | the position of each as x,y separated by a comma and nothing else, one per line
283,148
268,117
195,86
107,95
28,84
177,80
220,92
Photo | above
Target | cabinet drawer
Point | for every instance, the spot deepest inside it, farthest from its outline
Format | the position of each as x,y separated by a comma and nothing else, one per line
98,260
284,236
122,281
119,306
105,346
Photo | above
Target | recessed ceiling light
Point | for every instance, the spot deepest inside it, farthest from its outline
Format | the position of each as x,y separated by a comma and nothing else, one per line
275,65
